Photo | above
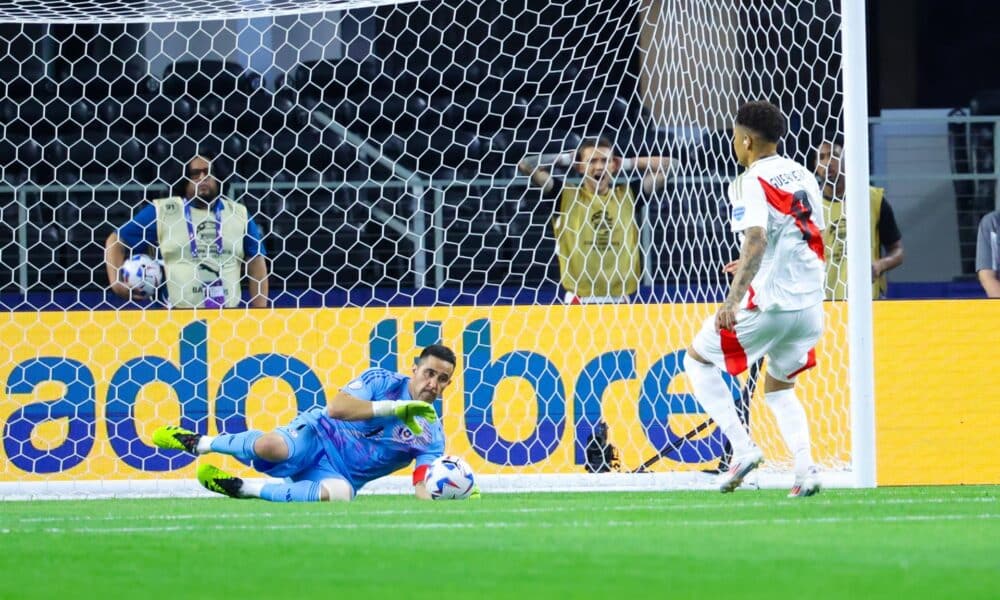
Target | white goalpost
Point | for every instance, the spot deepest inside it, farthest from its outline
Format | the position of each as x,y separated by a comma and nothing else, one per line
376,144
861,356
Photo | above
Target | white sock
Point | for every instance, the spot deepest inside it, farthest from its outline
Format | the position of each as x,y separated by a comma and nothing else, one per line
251,488
713,394
794,426
205,444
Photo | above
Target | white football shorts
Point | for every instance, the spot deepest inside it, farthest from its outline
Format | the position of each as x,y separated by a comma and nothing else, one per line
787,338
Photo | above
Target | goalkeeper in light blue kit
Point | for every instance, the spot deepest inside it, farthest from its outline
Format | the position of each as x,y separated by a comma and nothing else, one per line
377,424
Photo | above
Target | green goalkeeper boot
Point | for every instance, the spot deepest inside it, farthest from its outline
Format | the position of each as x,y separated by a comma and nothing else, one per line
216,480
172,437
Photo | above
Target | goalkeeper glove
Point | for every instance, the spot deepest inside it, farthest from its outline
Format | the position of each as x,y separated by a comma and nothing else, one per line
406,411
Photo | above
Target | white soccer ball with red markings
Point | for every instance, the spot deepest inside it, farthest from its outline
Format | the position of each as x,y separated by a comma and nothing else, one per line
142,273
450,478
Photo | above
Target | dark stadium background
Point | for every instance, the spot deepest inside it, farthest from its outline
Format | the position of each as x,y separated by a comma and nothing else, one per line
325,247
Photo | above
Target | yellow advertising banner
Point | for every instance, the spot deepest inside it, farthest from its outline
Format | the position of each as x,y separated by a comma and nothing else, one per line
937,395
83,391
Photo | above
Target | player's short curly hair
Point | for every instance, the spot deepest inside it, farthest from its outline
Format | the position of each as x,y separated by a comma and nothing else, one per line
764,119
438,351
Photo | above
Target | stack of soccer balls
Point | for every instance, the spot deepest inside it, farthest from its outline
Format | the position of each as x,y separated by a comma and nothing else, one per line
450,478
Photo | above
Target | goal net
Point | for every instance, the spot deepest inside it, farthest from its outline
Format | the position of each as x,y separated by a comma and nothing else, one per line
376,146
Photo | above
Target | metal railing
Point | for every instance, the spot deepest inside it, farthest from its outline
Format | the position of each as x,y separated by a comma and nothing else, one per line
973,148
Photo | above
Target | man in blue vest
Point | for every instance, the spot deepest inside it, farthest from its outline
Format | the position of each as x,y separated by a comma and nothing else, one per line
206,242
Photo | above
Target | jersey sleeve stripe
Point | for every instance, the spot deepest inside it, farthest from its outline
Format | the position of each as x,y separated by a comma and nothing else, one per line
373,377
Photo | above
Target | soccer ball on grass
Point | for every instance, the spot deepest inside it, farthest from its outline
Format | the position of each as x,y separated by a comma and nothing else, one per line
450,478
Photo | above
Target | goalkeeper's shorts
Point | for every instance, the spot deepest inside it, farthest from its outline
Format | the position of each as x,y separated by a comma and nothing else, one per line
307,460
787,338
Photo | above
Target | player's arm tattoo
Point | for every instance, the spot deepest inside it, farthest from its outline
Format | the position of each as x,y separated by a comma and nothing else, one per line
751,255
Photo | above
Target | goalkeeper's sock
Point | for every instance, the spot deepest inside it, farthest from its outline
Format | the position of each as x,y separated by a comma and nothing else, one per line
794,426
239,445
300,491
713,394
252,488
205,444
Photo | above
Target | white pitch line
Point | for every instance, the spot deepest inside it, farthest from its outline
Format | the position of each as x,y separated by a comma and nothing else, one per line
498,524
673,505
179,517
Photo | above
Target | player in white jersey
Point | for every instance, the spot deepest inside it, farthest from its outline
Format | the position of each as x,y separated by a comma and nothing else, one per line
774,306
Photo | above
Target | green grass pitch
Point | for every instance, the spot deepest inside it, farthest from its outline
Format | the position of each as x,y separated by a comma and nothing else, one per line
938,542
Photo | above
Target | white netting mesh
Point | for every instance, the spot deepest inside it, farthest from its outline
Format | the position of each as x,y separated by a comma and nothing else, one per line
118,11
376,147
